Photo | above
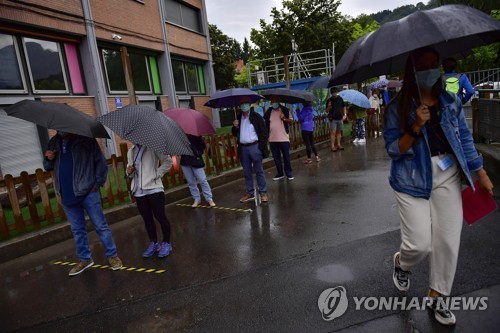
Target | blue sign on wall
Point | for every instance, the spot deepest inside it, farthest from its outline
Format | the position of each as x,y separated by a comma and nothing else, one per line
118,102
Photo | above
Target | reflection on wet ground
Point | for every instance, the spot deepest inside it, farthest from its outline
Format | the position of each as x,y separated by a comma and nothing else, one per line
218,254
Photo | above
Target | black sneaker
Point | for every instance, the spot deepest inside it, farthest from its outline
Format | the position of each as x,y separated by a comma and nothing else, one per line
400,276
441,312
278,177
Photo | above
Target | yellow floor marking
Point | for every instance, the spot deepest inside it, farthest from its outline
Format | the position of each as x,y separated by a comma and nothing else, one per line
218,207
145,270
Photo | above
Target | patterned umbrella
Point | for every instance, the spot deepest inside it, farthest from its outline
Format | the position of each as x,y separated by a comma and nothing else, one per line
149,127
355,97
191,121
378,84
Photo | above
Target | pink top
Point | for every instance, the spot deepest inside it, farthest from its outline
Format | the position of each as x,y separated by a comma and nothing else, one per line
277,131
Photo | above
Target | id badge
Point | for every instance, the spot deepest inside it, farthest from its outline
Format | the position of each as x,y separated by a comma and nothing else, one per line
445,162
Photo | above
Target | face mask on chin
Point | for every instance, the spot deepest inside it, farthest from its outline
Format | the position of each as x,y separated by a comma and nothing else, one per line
426,79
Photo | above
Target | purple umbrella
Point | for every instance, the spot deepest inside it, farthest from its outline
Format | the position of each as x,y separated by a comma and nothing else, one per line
191,121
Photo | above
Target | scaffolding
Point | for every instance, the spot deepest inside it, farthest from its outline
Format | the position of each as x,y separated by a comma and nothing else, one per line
300,66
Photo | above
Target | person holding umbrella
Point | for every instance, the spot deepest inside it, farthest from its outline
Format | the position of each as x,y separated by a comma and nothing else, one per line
192,167
146,168
306,118
79,171
427,138
251,132
277,119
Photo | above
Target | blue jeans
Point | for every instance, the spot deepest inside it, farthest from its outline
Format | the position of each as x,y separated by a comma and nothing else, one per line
76,217
251,160
192,174
277,149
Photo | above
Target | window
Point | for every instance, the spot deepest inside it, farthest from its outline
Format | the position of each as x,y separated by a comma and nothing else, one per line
45,66
144,72
183,15
11,79
188,77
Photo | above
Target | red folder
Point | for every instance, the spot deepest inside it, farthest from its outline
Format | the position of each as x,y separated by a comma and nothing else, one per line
477,205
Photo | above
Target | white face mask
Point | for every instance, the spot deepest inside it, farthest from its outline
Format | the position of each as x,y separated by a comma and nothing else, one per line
426,79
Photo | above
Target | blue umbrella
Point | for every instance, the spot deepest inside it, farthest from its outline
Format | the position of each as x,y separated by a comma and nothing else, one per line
355,97
231,97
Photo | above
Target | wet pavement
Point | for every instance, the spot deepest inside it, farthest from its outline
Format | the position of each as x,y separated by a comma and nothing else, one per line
242,267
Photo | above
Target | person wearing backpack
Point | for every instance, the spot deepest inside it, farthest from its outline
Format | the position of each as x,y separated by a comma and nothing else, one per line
456,83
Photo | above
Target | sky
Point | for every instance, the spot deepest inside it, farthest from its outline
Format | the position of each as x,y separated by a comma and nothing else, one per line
236,18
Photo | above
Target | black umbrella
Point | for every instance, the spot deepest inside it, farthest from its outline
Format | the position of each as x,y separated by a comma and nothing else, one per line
231,97
286,95
57,116
149,127
453,30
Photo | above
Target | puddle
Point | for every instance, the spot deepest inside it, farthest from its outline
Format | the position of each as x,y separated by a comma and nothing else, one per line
334,273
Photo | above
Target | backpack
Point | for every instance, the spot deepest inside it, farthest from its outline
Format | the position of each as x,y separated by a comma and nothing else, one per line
452,84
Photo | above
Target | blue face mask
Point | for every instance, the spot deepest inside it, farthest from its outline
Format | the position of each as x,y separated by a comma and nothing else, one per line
245,107
275,105
426,79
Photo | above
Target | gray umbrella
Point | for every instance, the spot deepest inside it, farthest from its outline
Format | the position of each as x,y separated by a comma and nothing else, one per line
453,30
284,95
149,127
57,116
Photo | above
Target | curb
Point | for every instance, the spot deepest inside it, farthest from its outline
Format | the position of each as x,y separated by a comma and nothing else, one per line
40,239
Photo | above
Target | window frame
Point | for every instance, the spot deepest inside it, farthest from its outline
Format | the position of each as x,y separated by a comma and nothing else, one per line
195,64
145,57
61,61
20,68
182,24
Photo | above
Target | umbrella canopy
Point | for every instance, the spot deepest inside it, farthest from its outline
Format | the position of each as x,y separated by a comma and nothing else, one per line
453,30
378,84
284,95
58,116
307,95
191,121
231,97
321,83
355,97
149,127
394,84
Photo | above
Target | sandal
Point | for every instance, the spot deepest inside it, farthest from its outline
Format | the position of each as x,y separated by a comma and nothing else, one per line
341,148
333,149
307,161
318,159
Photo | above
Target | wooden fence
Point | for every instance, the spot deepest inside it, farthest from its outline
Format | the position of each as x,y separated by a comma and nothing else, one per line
31,203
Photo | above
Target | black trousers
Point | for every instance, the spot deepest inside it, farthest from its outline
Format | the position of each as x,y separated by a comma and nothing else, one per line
308,138
154,205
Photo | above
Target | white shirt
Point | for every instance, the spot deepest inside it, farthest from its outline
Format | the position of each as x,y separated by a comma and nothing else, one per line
247,131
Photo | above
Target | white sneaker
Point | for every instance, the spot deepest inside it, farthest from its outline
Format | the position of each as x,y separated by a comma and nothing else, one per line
356,140
362,141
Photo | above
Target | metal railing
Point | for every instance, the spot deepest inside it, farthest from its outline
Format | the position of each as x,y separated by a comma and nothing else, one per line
480,78
300,66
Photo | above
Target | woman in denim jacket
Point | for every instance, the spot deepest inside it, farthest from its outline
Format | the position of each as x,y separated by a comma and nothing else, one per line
427,138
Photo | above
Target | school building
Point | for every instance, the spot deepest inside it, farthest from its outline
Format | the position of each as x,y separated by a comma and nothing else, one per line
81,52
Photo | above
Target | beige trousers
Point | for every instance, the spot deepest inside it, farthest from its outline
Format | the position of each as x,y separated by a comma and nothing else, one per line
433,227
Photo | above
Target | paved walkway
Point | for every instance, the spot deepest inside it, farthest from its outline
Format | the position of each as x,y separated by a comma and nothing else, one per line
248,268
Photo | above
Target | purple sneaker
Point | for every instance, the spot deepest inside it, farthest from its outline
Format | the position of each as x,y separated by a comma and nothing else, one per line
165,249
152,248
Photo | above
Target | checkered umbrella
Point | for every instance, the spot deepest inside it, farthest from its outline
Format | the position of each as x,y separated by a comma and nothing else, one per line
149,127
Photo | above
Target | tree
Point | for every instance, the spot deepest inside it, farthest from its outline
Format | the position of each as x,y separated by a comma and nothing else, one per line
312,24
242,78
247,51
225,52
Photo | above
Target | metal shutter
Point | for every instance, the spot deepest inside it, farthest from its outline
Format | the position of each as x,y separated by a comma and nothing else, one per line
19,146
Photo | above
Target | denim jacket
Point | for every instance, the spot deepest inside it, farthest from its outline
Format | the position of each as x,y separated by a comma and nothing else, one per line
411,171
89,165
